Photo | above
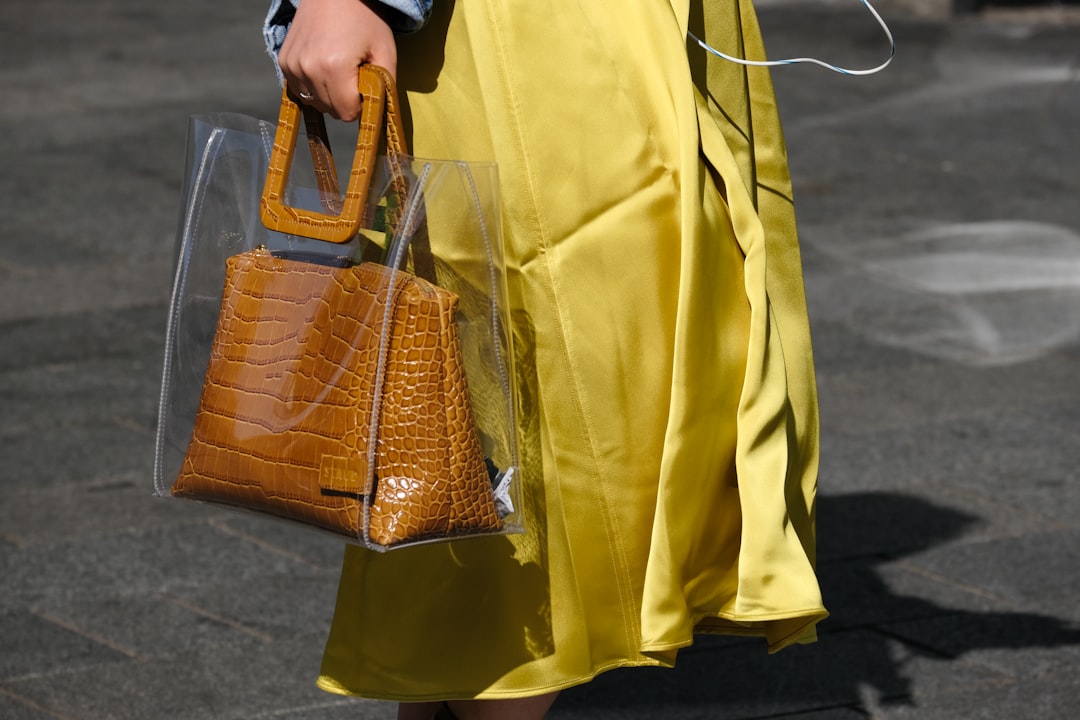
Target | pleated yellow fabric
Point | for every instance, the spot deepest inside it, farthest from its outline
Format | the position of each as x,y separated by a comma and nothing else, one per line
666,392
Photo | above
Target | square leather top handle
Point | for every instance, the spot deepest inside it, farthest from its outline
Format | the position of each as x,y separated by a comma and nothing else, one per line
379,111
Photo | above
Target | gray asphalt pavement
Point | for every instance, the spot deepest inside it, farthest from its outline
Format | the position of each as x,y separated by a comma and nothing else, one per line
941,230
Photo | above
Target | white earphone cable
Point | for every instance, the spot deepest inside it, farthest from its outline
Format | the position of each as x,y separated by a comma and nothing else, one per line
815,61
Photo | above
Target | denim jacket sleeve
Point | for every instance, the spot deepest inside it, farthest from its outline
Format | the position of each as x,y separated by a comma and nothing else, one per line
402,16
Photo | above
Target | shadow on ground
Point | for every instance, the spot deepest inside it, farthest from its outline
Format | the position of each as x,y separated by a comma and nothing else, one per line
867,655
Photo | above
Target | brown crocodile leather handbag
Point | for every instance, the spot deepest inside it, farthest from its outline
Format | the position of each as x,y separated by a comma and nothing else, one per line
336,395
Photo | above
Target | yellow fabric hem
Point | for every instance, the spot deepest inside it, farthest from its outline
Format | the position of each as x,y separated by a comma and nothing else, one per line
741,626
803,633
653,655
331,686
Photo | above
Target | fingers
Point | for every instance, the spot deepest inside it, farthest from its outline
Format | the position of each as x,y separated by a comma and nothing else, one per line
327,42
327,86
329,83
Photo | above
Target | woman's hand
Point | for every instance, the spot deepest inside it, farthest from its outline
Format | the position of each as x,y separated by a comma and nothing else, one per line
327,41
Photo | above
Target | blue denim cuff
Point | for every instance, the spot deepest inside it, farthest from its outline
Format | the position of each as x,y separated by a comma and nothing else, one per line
278,19
410,16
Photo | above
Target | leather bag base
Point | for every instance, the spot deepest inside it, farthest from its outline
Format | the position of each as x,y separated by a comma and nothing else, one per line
285,423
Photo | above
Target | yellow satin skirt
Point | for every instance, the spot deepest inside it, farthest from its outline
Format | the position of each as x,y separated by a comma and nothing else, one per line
668,415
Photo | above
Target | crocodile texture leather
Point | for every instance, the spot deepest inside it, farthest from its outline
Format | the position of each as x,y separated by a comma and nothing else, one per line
380,116
285,420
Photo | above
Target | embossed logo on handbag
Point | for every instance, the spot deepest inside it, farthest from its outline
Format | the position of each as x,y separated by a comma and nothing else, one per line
340,476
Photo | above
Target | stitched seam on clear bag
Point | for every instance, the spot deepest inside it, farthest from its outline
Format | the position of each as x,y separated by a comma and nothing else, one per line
496,325
190,224
413,205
